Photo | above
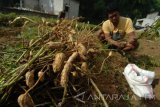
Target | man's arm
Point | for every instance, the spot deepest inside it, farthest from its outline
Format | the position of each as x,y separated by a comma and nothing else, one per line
131,37
132,42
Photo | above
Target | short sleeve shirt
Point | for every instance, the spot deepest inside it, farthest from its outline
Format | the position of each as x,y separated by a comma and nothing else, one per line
125,25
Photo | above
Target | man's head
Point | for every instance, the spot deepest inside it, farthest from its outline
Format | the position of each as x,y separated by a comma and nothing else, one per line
113,13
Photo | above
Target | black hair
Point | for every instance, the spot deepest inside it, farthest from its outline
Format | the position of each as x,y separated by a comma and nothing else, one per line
111,7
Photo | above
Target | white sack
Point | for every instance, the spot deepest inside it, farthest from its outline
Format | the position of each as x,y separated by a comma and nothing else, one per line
139,80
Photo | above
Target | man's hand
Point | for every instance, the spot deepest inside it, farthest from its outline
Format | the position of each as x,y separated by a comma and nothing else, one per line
121,45
128,47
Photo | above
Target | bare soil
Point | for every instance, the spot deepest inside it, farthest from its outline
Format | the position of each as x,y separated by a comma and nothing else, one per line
8,36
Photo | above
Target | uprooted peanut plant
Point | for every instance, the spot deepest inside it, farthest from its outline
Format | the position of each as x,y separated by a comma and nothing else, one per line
55,67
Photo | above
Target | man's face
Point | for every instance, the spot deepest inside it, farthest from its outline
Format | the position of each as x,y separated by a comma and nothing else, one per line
114,17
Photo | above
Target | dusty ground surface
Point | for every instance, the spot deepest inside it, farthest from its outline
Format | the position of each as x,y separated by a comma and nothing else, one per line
111,81
8,37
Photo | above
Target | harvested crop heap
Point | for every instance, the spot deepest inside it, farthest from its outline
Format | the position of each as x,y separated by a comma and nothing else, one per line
55,67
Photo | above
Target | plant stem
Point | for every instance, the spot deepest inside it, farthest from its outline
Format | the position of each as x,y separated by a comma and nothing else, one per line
99,92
